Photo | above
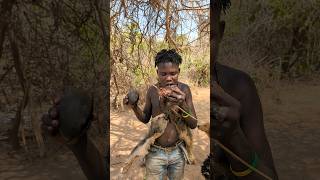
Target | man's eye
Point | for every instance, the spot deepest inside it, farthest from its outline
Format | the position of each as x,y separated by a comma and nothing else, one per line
163,74
173,74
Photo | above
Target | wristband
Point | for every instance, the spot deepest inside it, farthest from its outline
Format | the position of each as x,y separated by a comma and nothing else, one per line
247,171
185,113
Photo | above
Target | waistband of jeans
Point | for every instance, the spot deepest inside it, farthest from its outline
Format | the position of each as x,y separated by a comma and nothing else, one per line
168,149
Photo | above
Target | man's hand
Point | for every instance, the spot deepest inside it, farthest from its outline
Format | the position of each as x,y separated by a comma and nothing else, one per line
173,94
50,121
69,117
226,113
174,99
89,157
177,95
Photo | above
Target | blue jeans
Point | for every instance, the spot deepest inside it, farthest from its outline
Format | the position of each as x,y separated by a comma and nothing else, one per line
161,163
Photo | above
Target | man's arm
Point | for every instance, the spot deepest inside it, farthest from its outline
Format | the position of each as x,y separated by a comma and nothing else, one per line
90,159
249,136
188,106
145,115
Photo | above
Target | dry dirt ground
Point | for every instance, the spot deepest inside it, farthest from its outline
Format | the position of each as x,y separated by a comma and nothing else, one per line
292,126
58,164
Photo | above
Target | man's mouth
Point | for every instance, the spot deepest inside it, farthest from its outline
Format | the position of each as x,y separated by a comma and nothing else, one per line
171,84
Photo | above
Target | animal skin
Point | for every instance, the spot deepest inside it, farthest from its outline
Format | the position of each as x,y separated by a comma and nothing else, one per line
158,125
205,128
185,134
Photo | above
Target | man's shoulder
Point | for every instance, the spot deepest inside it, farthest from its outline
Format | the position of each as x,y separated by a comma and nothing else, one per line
152,88
240,81
183,86
234,74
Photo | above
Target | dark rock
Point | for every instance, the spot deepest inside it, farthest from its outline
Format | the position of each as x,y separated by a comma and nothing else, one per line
133,97
75,111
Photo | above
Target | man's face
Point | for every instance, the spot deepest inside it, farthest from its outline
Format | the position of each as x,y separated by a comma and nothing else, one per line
168,74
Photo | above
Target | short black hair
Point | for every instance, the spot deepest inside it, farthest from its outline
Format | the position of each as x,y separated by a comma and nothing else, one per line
167,55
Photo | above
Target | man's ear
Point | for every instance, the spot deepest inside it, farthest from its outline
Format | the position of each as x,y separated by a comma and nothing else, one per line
222,25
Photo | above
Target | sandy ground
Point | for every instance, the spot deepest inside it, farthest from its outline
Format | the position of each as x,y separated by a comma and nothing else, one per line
59,164
292,126
126,131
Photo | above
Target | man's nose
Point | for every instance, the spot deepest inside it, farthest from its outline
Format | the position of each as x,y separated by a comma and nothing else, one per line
168,78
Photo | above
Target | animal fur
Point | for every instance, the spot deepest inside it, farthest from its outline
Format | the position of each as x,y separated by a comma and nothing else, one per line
205,128
185,134
184,131
158,125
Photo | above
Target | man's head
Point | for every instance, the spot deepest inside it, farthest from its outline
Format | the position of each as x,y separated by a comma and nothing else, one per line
167,63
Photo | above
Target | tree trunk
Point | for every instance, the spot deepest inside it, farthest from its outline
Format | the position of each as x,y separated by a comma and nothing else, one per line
14,139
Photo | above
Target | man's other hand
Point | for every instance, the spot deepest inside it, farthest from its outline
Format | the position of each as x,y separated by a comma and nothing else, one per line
50,121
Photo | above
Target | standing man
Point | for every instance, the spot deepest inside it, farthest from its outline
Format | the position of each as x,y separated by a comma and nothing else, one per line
166,156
